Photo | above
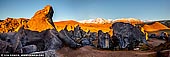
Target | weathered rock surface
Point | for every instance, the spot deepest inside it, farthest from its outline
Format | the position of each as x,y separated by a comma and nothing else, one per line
77,38
29,49
45,40
5,47
11,24
42,20
67,40
104,40
129,36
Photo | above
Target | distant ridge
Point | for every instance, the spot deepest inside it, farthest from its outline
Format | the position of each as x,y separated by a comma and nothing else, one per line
103,21
156,26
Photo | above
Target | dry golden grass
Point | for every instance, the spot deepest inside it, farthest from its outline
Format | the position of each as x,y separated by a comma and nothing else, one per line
86,26
154,27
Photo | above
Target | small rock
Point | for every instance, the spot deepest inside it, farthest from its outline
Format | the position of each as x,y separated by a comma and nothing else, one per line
48,53
29,48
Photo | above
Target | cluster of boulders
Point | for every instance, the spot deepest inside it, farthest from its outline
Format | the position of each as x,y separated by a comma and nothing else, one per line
162,35
77,38
125,36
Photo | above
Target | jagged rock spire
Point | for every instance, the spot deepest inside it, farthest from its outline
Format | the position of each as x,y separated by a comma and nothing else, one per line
42,20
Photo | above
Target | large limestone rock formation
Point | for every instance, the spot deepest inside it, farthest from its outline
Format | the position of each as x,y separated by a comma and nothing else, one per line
128,36
42,20
37,34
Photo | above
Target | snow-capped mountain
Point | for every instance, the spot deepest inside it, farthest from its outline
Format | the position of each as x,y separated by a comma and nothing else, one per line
129,20
97,21
102,20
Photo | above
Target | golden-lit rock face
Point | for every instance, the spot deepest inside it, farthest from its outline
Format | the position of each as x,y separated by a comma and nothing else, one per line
154,27
11,24
42,20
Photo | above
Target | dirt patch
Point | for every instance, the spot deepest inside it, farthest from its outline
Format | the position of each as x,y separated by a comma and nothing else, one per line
88,51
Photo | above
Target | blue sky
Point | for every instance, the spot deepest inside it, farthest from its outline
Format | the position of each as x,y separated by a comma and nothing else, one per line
88,9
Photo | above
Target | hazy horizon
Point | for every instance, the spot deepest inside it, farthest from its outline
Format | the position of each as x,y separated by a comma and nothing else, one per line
88,9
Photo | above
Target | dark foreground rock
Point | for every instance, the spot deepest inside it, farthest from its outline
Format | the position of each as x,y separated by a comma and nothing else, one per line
46,40
128,35
29,49
77,38
67,40
5,47
104,40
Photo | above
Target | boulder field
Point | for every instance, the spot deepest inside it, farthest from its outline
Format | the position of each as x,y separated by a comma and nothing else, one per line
39,35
